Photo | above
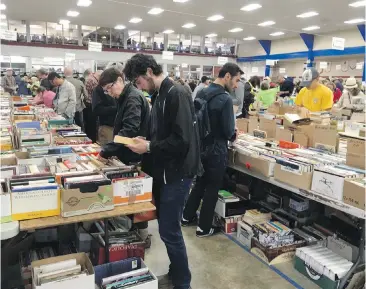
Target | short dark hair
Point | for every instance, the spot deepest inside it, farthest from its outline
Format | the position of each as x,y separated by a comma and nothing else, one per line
110,75
204,79
53,75
138,65
255,81
231,68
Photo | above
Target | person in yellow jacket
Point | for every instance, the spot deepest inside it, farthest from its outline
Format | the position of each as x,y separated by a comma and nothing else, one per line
314,96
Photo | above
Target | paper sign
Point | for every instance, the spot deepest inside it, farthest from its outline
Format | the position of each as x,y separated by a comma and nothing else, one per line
184,65
359,65
95,46
338,67
282,70
222,60
323,65
168,55
270,62
338,43
255,69
8,35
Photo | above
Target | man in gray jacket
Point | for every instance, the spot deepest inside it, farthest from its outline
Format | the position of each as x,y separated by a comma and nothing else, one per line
65,100
80,96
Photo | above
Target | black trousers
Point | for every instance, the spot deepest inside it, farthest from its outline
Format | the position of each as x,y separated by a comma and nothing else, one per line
90,123
79,119
206,188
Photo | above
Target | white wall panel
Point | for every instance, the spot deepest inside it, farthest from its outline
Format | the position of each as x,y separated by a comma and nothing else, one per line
288,45
353,39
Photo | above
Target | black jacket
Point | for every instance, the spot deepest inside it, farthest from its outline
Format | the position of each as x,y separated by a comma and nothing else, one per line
287,85
104,107
46,84
132,120
248,99
222,119
172,135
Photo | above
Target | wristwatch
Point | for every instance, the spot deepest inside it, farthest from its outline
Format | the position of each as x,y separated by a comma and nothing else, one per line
148,147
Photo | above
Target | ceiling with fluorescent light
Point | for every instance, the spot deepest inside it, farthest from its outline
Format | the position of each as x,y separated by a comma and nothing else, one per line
109,13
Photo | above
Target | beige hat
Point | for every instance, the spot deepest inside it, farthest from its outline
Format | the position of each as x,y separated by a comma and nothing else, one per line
351,83
267,79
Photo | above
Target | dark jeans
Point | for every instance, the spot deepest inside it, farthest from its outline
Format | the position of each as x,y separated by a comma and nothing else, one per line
170,200
90,122
79,120
207,188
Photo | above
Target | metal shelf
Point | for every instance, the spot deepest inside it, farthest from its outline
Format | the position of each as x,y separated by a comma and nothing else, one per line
308,194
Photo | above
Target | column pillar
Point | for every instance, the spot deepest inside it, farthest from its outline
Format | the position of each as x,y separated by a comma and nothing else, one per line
165,68
166,41
236,47
125,38
80,35
27,30
202,44
309,42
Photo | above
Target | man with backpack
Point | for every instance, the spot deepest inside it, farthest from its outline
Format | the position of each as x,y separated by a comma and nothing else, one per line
216,121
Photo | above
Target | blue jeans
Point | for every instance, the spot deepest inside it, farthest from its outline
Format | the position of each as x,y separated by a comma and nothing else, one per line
170,200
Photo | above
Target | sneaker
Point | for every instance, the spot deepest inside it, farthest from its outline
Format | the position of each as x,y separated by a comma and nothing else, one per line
186,223
213,231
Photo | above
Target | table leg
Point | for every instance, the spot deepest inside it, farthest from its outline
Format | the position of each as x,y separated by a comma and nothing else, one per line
106,240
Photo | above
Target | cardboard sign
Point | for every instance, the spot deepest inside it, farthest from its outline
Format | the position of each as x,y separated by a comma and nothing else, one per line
326,135
354,194
269,126
356,155
301,139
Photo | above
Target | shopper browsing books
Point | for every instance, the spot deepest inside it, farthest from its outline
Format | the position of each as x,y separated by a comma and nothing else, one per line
170,148
8,82
352,98
314,96
65,100
215,151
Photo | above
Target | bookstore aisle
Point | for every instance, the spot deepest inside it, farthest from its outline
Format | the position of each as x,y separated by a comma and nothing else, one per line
218,262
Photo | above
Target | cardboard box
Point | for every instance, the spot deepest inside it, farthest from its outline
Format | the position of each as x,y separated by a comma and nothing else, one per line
5,208
343,248
75,202
301,138
231,207
35,204
299,180
242,125
244,234
354,194
253,124
278,109
124,266
283,134
228,225
269,126
132,190
356,154
255,164
85,282
326,137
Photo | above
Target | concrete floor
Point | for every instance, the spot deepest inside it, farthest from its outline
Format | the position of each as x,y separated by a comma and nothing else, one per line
219,263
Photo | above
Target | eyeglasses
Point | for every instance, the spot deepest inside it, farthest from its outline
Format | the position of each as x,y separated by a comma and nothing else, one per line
108,88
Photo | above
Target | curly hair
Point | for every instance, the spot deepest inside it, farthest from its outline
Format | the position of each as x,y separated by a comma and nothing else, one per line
138,65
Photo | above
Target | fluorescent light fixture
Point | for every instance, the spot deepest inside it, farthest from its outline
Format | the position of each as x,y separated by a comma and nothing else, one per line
168,31
308,14
119,27
236,29
2,6
180,1
64,22
72,13
84,3
189,25
279,33
358,4
155,11
135,20
249,38
251,7
215,17
267,23
310,28
355,21
211,35
2,16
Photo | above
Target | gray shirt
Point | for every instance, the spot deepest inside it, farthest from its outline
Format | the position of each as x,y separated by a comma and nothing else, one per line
65,99
239,95
352,102
80,91
198,89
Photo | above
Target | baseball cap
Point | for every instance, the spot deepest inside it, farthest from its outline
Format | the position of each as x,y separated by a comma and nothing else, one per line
308,76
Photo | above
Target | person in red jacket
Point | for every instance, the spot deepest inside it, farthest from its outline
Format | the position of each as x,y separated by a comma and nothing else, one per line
337,93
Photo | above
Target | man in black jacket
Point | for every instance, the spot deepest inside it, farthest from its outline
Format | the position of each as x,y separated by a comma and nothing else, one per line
169,147
215,153
133,114
286,86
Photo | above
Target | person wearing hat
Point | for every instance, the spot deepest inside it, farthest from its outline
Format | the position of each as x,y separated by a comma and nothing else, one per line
352,98
8,82
314,96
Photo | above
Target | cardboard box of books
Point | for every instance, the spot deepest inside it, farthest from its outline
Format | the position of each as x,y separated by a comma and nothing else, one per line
354,193
130,271
68,271
326,138
356,154
132,188
34,197
5,213
258,164
242,125
268,125
329,180
297,177
245,234
229,205
283,134
228,225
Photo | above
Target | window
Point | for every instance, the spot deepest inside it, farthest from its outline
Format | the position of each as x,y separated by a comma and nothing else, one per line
88,33
196,44
158,41
195,72
210,45
117,38
54,33
173,42
104,36
70,34
186,41
207,71
133,41
146,41
38,32
19,27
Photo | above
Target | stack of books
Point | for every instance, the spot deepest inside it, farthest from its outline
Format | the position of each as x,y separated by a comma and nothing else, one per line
273,234
254,216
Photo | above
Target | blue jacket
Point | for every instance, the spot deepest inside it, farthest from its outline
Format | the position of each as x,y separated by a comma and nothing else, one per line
22,88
